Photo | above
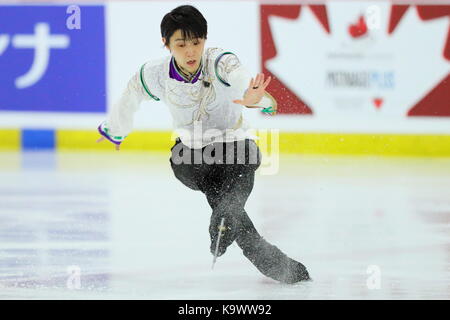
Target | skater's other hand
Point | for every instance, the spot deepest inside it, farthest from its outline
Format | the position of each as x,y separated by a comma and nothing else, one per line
103,138
255,91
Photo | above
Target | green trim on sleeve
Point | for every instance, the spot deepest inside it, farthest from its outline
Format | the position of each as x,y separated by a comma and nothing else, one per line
145,86
114,137
215,68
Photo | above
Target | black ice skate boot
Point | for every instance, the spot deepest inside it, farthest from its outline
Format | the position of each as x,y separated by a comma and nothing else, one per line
229,232
267,258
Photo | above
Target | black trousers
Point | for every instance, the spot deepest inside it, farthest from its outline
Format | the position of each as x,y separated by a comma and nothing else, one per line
225,173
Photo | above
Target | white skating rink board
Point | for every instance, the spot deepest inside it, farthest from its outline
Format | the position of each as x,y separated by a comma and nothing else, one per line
365,227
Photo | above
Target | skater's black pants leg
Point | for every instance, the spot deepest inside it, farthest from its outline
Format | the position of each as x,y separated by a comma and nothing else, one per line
226,180
227,188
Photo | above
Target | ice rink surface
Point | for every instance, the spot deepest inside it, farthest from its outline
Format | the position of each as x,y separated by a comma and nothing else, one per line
365,227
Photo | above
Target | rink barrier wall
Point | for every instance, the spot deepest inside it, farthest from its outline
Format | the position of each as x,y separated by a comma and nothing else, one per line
10,139
289,142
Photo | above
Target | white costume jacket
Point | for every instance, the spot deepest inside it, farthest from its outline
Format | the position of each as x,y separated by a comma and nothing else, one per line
203,112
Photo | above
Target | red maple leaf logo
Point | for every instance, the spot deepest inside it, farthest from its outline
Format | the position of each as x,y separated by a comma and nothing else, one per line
435,101
358,29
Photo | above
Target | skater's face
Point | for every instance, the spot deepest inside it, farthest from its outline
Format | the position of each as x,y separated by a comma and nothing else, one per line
187,52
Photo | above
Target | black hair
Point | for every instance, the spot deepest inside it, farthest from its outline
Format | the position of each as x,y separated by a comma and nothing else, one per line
186,18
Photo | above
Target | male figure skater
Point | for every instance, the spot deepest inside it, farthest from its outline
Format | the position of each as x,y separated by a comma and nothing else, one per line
205,91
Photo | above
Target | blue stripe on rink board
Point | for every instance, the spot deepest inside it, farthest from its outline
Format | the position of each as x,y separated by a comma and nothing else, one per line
33,139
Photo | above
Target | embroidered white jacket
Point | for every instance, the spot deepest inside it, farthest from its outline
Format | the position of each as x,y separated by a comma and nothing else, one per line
202,114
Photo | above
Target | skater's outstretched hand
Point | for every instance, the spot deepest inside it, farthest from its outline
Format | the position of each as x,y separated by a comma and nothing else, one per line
106,135
255,91
103,138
